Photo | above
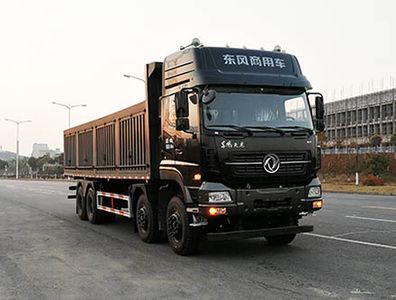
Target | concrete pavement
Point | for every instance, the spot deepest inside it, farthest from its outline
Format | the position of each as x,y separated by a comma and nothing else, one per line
46,252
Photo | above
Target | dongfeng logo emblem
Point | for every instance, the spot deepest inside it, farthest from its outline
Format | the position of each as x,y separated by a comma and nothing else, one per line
271,163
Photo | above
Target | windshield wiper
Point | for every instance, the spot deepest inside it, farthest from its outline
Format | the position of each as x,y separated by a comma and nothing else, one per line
298,128
268,128
236,127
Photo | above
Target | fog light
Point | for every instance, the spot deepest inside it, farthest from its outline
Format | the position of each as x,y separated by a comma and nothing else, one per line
197,177
317,204
215,211
217,197
314,192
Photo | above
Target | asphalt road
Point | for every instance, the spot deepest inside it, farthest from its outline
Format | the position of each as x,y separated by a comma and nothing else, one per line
46,252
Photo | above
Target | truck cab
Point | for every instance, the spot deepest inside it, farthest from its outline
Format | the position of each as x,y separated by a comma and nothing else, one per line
239,135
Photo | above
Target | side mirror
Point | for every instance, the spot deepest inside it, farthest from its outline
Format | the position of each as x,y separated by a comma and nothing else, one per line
193,98
208,96
182,124
319,125
181,107
319,113
319,107
181,103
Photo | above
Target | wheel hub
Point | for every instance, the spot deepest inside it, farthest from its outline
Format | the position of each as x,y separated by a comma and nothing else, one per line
142,218
174,226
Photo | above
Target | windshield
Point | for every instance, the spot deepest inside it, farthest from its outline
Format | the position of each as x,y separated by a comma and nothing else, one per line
256,110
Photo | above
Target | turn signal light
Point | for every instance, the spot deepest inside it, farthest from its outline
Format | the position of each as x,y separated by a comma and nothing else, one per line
215,211
317,204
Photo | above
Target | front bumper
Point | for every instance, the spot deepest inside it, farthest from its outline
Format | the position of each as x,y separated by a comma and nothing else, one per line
245,234
253,202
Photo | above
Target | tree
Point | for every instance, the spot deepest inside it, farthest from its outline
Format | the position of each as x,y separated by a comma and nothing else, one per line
375,140
322,139
393,139
46,159
24,169
59,159
3,164
378,164
33,163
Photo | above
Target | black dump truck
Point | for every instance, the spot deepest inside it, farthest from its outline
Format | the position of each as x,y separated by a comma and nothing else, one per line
223,147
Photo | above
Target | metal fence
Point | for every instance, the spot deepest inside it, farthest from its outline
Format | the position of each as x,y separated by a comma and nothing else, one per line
346,150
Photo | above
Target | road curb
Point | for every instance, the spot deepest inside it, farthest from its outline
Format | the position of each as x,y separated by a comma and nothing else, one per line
359,193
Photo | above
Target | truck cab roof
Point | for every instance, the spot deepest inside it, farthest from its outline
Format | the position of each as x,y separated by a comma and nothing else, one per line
231,66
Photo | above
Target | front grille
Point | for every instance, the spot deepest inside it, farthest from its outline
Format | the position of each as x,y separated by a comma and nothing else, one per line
296,169
259,203
210,159
259,156
249,170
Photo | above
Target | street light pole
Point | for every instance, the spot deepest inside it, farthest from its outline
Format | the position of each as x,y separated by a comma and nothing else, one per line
69,107
17,144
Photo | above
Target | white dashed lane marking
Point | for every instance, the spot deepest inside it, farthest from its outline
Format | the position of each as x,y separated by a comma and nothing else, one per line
350,241
371,219
380,207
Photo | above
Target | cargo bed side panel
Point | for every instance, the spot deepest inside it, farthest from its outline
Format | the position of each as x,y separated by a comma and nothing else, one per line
115,146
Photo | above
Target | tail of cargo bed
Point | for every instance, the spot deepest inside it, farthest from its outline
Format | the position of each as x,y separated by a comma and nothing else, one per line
72,188
122,145
153,94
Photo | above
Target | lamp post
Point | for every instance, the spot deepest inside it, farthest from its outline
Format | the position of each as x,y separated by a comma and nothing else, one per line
392,84
17,144
134,77
357,141
69,107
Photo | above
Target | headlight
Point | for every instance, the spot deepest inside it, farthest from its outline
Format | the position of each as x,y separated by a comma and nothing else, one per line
219,197
314,192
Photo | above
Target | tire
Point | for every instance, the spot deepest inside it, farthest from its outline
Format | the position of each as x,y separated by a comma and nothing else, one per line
109,217
95,216
147,220
81,208
183,239
279,240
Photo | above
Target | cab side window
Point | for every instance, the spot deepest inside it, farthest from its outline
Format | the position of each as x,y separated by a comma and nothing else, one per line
169,108
169,111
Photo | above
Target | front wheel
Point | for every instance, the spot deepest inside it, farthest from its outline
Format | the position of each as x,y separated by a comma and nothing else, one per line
183,239
279,240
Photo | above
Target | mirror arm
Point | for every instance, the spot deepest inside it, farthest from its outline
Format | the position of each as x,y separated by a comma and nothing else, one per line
189,131
314,93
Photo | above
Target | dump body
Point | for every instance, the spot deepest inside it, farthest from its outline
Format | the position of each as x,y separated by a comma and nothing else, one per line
115,146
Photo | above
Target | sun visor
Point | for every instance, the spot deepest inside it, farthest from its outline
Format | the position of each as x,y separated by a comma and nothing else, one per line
254,67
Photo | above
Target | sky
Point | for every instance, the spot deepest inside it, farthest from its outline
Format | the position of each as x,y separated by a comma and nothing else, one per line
76,51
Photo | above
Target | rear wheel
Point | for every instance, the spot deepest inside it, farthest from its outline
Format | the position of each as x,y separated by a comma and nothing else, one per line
95,216
146,220
183,239
81,209
279,240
